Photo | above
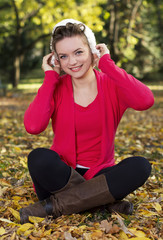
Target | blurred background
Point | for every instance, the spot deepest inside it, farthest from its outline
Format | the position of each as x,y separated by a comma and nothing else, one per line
132,29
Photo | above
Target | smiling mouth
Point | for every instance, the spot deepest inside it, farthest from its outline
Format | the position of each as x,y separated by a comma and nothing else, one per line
75,69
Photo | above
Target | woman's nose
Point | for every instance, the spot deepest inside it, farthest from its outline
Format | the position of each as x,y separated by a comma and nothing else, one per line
72,60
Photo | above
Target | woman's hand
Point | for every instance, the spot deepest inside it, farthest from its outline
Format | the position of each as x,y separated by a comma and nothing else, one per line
46,64
103,50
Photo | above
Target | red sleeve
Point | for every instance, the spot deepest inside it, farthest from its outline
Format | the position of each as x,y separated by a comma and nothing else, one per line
39,112
132,92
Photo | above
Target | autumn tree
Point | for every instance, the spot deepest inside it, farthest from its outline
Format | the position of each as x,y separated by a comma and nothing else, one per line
132,30
26,24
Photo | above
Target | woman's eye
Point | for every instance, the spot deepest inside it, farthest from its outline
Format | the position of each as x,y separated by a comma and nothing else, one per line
79,52
63,57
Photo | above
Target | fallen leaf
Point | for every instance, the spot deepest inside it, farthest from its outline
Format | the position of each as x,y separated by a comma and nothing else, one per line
14,213
106,225
147,213
68,236
123,227
24,228
35,219
140,238
5,220
157,206
137,233
2,230
123,235
4,182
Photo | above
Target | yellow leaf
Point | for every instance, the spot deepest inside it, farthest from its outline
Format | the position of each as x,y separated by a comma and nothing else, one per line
48,232
28,232
157,206
123,236
3,182
5,174
97,234
13,236
16,198
23,161
35,219
20,191
14,213
5,220
83,227
17,149
2,231
147,213
24,228
137,233
140,238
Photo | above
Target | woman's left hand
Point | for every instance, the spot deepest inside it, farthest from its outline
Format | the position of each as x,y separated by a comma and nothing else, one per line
103,50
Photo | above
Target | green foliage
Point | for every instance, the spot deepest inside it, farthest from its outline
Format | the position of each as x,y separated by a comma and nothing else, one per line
131,29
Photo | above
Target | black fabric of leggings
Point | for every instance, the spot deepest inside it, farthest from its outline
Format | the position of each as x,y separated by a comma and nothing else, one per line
49,173
126,176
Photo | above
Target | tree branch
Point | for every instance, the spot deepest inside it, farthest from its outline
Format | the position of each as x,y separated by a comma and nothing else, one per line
31,44
132,18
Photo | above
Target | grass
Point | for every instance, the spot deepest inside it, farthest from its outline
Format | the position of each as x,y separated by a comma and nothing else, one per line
34,79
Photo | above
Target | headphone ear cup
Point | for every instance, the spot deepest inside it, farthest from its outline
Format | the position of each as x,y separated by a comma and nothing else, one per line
53,61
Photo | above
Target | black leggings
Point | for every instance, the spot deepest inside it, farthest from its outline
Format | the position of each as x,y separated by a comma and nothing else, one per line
49,173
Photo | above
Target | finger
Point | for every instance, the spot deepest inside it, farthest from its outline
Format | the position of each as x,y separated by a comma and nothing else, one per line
45,58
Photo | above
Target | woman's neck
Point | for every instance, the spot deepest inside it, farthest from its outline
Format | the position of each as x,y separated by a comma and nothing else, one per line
85,81
85,89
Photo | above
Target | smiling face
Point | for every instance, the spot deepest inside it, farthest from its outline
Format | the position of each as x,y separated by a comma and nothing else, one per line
74,56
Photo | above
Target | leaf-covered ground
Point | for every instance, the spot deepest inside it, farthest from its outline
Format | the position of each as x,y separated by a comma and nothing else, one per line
140,133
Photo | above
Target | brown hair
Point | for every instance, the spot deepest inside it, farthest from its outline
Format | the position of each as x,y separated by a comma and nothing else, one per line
70,30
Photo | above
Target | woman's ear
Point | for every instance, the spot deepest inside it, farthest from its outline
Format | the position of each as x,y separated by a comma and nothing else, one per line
95,60
57,63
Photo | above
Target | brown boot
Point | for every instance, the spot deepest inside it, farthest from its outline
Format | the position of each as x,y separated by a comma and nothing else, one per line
123,207
44,208
81,197
38,209
87,195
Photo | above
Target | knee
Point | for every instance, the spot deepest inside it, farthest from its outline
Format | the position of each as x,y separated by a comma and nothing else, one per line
41,157
143,167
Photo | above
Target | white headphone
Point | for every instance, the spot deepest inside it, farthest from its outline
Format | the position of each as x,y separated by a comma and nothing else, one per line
88,33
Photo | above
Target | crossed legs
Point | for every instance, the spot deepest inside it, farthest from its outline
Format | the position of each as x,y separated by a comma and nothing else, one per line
49,174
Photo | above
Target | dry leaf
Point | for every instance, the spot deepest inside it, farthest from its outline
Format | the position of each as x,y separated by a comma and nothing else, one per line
137,233
14,213
123,227
106,225
68,236
123,235
138,134
35,219
2,231
157,206
97,234
24,228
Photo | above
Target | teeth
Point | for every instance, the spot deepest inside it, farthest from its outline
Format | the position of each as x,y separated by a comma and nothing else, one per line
75,68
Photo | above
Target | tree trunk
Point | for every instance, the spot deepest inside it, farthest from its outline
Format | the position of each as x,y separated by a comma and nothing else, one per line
132,19
113,30
16,72
16,77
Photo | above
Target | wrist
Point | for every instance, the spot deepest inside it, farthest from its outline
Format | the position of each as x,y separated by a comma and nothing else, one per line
104,58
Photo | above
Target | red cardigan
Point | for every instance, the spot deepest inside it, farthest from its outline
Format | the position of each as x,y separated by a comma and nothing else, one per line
117,91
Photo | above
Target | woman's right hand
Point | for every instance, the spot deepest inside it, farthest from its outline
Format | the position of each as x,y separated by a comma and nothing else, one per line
47,66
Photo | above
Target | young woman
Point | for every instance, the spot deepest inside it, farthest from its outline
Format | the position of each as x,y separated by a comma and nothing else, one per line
85,105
